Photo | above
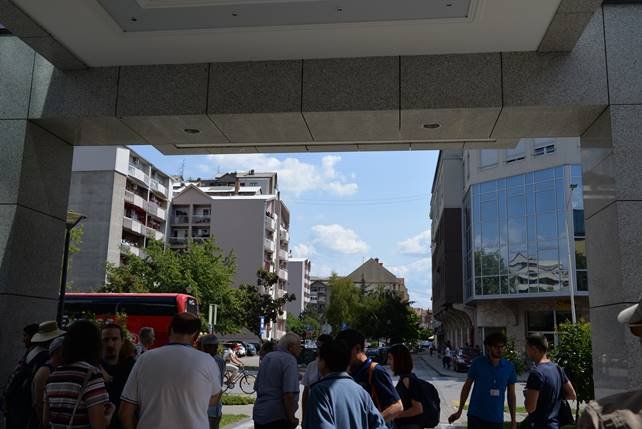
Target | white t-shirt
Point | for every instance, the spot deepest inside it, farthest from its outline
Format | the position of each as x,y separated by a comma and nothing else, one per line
311,374
172,386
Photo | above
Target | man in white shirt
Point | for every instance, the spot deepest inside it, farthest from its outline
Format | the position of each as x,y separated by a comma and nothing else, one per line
232,362
172,386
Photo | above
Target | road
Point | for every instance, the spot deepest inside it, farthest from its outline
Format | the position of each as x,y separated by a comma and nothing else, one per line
448,384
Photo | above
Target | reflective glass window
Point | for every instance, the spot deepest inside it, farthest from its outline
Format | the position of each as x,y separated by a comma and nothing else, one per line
490,236
490,264
516,205
529,178
517,230
576,170
491,285
476,209
530,200
580,254
503,232
478,286
477,236
478,263
501,184
540,321
563,246
561,224
513,284
541,175
515,181
582,281
501,203
532,231
547,226
488,187
503,261
561,194
545,201
559,171
503,285
578,221
489,210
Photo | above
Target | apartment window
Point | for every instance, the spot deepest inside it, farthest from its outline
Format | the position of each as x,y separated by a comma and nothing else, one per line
543,147
516,154
487,158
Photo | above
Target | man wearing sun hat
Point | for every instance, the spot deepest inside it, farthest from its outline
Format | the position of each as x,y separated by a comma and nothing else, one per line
624,410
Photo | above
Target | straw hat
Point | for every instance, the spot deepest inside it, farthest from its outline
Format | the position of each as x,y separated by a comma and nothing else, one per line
47,331
631,315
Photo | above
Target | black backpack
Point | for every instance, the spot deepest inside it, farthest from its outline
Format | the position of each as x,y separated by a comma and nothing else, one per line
17,396
430,403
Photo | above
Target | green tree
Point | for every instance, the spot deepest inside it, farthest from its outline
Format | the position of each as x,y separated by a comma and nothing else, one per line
383,314
574,354
345,302
257,301
512,354
202,270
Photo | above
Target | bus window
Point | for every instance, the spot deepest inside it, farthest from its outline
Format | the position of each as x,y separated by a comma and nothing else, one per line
191,306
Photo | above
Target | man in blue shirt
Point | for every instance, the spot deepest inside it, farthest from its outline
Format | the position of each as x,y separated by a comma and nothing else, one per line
492,376
372,377
277,386
336,401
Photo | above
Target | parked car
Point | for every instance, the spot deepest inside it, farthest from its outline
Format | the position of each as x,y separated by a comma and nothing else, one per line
249,349
461,362
378,354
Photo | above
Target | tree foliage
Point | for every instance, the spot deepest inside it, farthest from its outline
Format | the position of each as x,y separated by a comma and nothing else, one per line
257,301
344,302
202,270
574,354
515,356
306,325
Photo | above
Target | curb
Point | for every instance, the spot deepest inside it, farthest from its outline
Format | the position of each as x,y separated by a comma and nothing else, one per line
437,370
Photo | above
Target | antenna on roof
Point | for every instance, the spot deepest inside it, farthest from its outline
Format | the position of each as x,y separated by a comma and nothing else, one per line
181,169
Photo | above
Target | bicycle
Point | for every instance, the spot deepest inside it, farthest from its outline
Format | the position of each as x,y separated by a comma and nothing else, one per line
245,380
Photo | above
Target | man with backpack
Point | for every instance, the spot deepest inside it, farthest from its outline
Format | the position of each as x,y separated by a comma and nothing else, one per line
372,377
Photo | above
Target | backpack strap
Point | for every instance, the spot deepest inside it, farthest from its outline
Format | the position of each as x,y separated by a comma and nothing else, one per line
373,391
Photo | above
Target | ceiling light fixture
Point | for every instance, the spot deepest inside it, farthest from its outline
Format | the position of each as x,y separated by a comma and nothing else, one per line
134,19
191,131
235,14
432,126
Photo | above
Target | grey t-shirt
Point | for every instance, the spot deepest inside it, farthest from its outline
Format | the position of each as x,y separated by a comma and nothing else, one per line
278,374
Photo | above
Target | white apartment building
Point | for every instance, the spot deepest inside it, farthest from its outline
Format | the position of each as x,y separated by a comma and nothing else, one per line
299,285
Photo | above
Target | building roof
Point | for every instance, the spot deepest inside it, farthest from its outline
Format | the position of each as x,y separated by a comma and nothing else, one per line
373,271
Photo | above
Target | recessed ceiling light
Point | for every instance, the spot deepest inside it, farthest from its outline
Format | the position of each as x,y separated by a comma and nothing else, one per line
133,19
449,4
339,9
191,131
235,14
432,126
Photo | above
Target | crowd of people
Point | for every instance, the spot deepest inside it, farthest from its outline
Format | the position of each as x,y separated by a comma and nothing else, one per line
90,377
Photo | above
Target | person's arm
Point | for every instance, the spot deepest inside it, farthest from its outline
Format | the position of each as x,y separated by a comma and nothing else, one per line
512,405
392,412
39,381
530,400
463,397
214,399
100,415
569,391
290,407
46,415
416,407
127,414
304,401
234,358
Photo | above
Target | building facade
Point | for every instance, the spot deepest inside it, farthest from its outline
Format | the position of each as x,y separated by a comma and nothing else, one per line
299,285
319,295
523,243
372,274
126,201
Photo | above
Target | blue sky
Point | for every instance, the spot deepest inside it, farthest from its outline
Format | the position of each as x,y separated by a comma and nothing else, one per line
344,207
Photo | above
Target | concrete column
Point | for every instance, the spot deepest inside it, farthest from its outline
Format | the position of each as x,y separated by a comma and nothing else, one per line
35,169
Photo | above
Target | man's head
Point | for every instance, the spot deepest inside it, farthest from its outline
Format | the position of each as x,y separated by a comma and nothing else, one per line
185,325
495,344
322,339
536,347
632,316
147,336
209,344
334,356
356,344
28,332
291,343
112,337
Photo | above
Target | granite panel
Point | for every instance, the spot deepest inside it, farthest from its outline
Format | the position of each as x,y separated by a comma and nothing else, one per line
56,53
163,90
564,31
577,78
108,131
175,129
474,123
334,126
72,94
263,127
624,52
16,68
578,6
255,87
12,145
351,84
451,81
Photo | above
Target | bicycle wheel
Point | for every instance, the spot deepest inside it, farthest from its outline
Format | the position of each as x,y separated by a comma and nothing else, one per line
247,384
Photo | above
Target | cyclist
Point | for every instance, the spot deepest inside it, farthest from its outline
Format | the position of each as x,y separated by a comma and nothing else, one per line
232,363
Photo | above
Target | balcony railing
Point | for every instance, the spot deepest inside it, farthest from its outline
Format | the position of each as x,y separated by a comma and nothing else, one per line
136,172
270,224
136,200
133,225
126,247
178,241
269,245
155,185
283,255
201,219
283,275
268,266
155,210
181,219
154,233
284,235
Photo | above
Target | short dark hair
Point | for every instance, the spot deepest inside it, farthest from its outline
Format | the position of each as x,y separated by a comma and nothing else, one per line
538,341
495,338
324,338
402,359
335,355
31,329
352,338
113,326
82,343
185,324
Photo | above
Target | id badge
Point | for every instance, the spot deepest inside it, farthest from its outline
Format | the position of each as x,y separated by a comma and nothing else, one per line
494,392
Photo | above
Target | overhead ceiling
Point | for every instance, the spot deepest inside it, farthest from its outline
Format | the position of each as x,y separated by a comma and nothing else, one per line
130,32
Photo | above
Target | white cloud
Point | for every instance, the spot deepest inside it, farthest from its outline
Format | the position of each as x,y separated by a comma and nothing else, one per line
295,177
417,245
418,279
338,238
303,251
203,167
419,266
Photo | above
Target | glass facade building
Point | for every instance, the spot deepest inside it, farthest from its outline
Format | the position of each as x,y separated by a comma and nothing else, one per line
516,235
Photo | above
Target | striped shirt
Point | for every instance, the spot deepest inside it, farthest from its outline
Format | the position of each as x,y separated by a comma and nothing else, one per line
63,388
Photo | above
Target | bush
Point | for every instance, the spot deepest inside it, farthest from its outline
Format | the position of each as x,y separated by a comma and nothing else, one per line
515,356
231,399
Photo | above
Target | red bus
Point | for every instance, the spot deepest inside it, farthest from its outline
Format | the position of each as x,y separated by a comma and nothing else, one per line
142,309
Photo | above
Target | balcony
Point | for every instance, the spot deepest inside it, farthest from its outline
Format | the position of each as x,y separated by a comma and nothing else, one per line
201,219
126,247
178,241
283,255
283,274
133,225
134,199
155,185
181,219
137,173
155,210
284,235
269,245
154,234
270,224
268,266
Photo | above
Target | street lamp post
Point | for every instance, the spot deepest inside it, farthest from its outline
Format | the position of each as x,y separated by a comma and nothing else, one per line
72,220
571,243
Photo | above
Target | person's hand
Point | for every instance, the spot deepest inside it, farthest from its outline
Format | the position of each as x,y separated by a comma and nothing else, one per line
454,417
110,409
294,422
108,378
513,425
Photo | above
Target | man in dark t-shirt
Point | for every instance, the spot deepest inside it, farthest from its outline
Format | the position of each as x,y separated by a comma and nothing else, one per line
115,371
547,385
372,377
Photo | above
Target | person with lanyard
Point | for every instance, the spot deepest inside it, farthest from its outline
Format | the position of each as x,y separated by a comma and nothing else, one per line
336,401
312,373
372,377
172,386
492,377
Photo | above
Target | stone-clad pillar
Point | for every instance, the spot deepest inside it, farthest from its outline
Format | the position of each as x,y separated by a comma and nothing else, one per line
35,169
